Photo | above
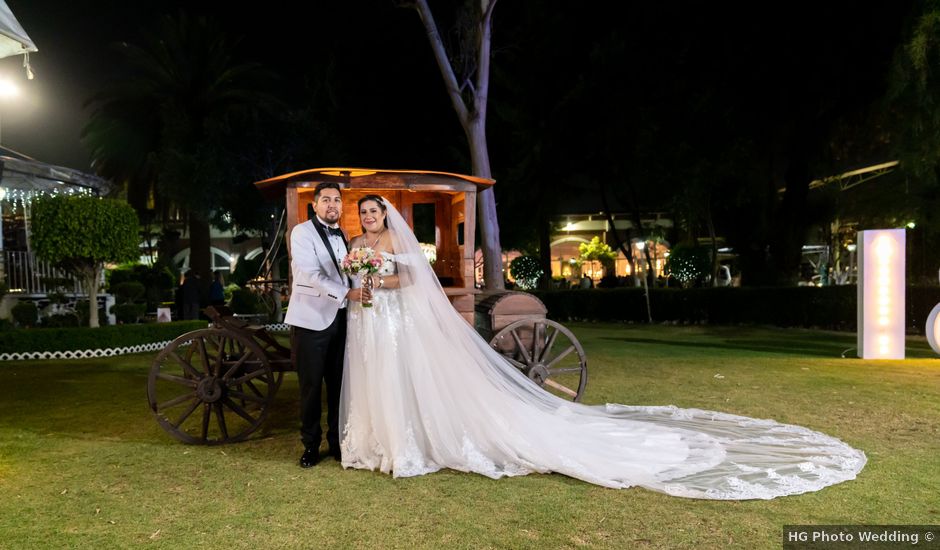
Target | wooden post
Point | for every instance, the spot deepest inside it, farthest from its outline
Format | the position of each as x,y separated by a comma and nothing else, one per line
469,246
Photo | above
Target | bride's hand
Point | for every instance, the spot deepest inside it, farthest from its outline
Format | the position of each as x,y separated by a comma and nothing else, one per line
359,294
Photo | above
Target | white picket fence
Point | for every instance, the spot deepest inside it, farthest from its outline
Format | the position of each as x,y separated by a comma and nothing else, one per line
105,352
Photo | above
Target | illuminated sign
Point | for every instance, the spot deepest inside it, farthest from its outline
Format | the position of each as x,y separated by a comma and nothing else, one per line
881,294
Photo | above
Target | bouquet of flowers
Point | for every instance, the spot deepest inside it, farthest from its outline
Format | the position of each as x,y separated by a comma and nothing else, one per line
362,261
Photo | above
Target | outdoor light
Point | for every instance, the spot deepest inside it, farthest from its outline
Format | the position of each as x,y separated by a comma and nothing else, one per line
8,89
911,225
640,245
569,226
851,247
881,294
933,328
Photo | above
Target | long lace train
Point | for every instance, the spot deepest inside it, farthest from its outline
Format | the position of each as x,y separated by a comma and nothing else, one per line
422,391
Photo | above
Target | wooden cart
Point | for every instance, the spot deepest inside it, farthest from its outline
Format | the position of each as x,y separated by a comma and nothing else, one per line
216,385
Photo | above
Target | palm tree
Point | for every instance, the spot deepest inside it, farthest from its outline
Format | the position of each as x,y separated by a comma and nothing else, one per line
159,130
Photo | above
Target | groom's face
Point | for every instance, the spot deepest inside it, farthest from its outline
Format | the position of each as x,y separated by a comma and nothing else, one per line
329,205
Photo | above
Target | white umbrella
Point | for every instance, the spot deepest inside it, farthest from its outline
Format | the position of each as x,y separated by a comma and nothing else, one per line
13,39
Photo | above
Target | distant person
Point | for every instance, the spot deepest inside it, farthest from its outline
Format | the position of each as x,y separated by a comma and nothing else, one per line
190,288
216,290
586,282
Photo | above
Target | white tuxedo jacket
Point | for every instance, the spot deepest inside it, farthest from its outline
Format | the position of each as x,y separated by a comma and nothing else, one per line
318,288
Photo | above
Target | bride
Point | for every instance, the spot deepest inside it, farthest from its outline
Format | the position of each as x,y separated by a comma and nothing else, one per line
422,391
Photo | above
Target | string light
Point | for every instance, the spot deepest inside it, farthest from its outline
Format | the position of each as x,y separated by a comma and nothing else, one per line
23,197
525,270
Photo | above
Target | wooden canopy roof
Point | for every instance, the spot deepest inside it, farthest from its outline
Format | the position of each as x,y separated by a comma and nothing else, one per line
368,177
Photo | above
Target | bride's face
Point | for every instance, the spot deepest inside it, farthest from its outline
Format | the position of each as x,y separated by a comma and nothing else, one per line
371,216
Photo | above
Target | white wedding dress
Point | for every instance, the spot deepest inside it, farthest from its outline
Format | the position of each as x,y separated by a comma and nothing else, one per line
422,391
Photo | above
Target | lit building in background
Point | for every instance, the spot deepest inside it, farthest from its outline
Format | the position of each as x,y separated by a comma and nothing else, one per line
576,229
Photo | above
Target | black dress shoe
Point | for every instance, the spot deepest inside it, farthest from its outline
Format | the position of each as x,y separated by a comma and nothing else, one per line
336,453
310,458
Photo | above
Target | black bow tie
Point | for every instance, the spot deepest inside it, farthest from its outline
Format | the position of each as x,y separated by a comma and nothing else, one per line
333,231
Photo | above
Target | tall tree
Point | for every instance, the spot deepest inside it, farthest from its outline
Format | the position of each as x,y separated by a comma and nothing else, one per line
469,96
914,102
158,128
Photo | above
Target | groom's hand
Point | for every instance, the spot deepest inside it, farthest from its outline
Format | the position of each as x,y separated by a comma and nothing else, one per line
359,294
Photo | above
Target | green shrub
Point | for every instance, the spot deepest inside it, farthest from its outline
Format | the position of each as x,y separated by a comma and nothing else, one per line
81,233
688,264
526,271
81,308
228,290
60,320
127,292
597,251
128,313
245,270
116,336
158,282
25,314
246,302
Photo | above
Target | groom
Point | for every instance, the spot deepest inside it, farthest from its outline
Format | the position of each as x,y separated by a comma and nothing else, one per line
317,311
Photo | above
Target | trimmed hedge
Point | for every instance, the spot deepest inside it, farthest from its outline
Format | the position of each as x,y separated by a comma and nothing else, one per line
81,338
832,307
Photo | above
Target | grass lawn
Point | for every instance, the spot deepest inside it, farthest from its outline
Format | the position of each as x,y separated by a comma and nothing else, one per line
83,463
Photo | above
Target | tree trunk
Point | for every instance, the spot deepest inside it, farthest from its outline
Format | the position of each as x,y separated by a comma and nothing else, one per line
710,223
787,251
91,285
628,253
472,116
545,251
486,208
200,254
638,222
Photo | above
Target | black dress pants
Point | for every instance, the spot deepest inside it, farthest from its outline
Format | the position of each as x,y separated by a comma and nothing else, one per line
319,358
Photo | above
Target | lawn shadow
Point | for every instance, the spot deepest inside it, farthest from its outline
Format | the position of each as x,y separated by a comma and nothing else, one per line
784,347
833,346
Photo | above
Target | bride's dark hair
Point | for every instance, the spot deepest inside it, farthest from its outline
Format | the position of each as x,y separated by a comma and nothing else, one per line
377,200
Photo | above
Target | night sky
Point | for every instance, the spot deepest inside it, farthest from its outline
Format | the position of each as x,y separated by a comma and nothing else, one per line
383,50
387,88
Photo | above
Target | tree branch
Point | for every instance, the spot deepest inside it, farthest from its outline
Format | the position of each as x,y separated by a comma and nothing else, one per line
443,63
468,84
483,60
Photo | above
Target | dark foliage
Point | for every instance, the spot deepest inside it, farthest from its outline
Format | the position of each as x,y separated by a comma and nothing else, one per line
831,307
64,339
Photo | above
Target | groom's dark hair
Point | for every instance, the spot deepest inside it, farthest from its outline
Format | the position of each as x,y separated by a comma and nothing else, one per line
325,185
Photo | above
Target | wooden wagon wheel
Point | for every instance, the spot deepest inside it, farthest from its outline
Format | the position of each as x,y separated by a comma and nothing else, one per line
547,353
211,386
